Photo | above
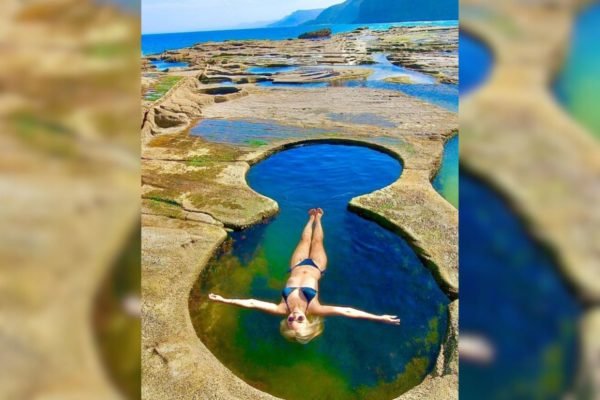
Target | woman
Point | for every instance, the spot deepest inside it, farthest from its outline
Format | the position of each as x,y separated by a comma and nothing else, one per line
300,297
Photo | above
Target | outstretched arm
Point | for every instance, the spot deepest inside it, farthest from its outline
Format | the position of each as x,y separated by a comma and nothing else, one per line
265,306
354,313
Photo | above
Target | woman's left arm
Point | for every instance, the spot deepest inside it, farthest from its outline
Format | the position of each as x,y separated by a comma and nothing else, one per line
354,313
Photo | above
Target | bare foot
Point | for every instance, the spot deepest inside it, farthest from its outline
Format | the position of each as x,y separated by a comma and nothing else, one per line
312,212
320,212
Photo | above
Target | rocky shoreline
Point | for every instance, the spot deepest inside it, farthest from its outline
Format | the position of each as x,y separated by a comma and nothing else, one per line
194,190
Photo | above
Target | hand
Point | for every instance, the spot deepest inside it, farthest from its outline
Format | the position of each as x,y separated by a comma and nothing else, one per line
389,319
215,297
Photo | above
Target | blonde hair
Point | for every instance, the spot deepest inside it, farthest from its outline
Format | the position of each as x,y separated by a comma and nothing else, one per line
308,331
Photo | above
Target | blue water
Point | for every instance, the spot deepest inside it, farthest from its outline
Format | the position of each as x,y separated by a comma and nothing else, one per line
577,86
163,65
446,180
442,95
424,88
369,268
159,42
270,70
247,132
475,63
512,295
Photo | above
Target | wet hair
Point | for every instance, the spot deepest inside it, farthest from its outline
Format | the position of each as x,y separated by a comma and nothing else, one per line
311,328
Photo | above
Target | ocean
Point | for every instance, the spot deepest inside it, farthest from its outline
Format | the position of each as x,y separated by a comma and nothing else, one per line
158,42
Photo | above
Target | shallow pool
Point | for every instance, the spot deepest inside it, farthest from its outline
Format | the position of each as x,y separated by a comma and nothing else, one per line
423,86
512,296
369,268
577,86
270,70
446,180
248,132
163,65
475,61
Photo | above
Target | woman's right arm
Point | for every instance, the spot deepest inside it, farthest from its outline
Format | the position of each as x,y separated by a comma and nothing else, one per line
265,306
354,313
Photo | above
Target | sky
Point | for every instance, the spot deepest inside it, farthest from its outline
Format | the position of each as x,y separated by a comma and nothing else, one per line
162,16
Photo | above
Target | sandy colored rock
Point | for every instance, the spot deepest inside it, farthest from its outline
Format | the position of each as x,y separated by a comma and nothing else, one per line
192,185
175,363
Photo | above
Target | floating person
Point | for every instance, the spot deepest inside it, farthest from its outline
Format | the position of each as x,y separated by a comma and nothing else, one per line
299,298
475,348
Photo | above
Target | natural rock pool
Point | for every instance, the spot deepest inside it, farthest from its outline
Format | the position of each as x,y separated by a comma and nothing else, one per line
249,133
475,60
164,65
577,86
369,268
512,296
446,180
422,86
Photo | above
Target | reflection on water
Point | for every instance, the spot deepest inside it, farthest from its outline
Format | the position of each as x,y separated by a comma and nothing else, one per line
513,297
369,268
578,85
446,180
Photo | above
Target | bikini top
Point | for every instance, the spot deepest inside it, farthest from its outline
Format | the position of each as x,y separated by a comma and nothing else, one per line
308,292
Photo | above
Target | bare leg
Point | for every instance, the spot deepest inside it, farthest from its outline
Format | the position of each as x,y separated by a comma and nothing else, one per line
303,248
317,249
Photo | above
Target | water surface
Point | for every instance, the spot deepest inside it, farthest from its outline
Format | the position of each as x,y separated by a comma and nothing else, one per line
513,296
158,42
423,86
446,180
163,65
369,268
248,132
577,86
475,62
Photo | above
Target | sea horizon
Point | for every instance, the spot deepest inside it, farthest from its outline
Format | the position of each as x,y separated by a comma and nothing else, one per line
155,43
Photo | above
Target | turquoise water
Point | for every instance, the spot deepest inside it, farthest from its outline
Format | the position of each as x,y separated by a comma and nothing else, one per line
369,268
513,296
577,86
159,42
475,63
446,180
163,65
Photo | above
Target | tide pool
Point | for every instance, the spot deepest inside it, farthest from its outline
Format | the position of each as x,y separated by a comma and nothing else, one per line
577,86
370,268
423,87
513,296
475,63
163,65
446,180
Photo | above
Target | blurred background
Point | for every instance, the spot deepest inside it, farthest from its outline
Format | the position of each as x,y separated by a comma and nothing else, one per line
529,214
69,190
529,195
